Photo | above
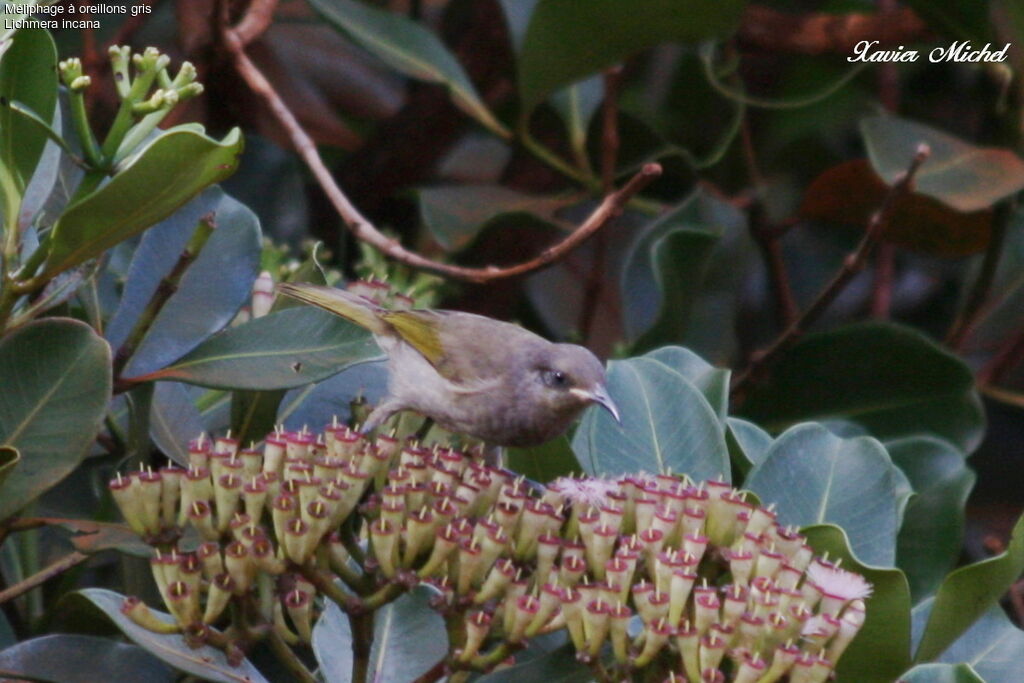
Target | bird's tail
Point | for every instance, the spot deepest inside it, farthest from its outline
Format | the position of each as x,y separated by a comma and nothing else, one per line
359,310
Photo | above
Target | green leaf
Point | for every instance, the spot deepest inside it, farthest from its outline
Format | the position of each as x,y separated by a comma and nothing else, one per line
576,105
173,421
456,214
941,673
1003,313
320,403
555,666
216,284
69,658
969,592
881,651
278,351
409,637
167,173
814,477
410,49
91,537
932,534
711,381
28,76
544,463
567,40
204,662
56,387
680,278
993,647
254,413
748,443
667,426
965,177
891,379
332,644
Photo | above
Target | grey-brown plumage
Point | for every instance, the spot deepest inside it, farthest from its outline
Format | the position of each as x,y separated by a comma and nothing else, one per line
471,374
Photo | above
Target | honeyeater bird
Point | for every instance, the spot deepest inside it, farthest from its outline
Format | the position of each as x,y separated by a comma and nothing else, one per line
471,374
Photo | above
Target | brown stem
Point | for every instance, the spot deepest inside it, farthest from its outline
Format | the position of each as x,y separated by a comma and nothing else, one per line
1009,356
257,19
435,673
43,575
164,290
816,33
881,291
362,641
852,264
365,231
609,159
288,658
982,286
767,238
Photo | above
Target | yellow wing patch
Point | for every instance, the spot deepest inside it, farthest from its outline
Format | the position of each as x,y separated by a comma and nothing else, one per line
419,330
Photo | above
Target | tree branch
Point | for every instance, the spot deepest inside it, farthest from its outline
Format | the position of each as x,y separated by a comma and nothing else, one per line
852,264
43,575
366,232
818,33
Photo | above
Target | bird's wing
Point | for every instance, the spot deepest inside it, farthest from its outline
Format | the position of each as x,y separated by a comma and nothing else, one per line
419,329
359,310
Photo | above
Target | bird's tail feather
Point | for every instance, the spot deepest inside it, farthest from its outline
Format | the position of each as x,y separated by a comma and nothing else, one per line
359,310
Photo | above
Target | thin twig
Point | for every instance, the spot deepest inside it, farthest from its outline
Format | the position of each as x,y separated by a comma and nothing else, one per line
766,237
363,230
43,575
1009,356
978,296
852,264
164,290
885,273
257,19
288,658
609,160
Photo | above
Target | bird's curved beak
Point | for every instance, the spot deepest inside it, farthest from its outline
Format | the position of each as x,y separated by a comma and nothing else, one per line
600,396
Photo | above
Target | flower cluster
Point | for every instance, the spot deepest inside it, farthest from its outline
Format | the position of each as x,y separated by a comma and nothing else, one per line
691,579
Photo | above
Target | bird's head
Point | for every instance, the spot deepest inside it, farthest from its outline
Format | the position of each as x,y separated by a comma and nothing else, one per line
568,377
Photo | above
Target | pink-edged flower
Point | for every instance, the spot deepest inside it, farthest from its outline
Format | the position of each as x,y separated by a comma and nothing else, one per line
838,583
586,491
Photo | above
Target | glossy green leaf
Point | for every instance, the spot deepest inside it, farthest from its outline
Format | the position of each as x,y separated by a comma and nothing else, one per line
567,40
544,463
173,421
576,105
667,426
410,49
517,18
751,440
409,638
1003,313
254,413
28,76
90,537
332,644
932,534
892,380
816,477
993,647
713,382
72,658
278,351
456,214
681,276
881,651
965,177
163,176
969,592
211,291
942,673
56,377
204,662
319,404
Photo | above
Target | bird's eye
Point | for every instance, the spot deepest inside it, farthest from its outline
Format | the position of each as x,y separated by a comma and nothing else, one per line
555,378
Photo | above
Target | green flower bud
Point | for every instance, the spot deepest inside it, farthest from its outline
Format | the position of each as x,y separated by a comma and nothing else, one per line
210,557
240,565
656,635
126,493
384,539
596,623
712,649
182,602
139,613
478,625
679,592
299,604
